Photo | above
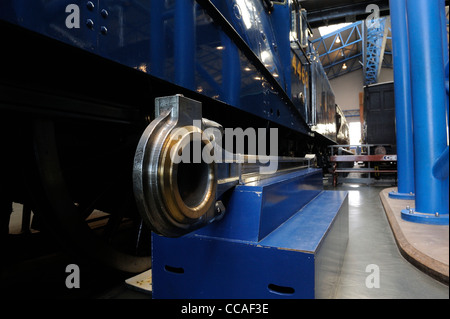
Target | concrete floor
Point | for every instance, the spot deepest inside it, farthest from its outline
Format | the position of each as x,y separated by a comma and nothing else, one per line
371,242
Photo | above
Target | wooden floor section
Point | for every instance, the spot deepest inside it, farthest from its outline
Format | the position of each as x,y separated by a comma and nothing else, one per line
425,246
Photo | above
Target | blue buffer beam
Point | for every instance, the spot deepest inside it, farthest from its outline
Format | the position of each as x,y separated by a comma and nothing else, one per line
283,237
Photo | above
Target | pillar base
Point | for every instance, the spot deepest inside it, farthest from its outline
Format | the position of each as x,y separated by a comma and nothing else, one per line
423,218
405,196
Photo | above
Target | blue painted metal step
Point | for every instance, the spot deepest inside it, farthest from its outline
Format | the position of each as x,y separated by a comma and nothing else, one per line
300,257
256,209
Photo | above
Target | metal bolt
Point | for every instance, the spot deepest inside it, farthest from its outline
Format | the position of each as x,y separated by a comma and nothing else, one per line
103,30
220,209
90,5
263,36
90,24
104,13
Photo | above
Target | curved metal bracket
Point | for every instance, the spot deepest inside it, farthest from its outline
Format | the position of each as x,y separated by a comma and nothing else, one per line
181,172
175,191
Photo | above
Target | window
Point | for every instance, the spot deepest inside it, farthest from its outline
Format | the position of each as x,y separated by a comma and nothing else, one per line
355,133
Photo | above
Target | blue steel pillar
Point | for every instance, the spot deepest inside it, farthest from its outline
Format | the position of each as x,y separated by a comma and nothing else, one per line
184,43
403,108
444,157
444,22
231,72
157,40
429,113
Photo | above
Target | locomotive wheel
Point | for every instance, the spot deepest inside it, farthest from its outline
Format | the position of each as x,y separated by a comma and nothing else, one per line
85,169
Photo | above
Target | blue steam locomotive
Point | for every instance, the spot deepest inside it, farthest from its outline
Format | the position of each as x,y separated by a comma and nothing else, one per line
78,81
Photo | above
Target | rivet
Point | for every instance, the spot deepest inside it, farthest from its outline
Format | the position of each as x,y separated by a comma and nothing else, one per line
103,30
90,23
104,13
90,5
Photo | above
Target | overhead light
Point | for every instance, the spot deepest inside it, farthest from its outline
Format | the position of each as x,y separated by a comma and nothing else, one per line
338,39
220,48
344,66
324,31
